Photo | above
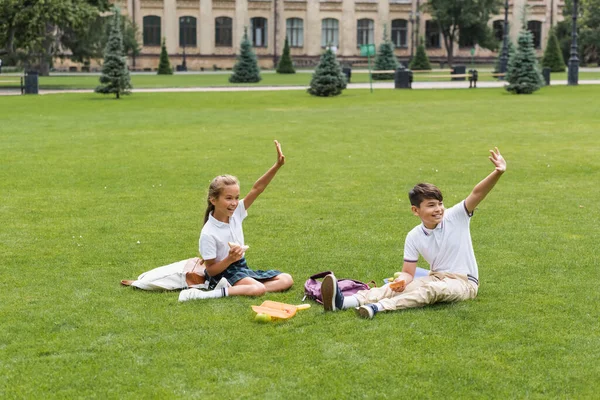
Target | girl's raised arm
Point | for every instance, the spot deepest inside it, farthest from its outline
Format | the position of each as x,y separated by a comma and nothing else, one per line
262,183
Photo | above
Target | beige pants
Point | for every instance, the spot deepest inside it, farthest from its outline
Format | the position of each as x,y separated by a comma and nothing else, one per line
437,287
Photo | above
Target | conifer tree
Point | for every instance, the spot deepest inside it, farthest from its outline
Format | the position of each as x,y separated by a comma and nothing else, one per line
523,75
246,68
285,65
421,61
328,79
511,52
115,75
385,59
164,65
553,57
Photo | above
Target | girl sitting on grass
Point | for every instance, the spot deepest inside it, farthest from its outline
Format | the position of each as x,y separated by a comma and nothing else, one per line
222,241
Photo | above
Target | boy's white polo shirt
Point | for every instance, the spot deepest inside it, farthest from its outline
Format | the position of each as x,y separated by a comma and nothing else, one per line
216,235
447,247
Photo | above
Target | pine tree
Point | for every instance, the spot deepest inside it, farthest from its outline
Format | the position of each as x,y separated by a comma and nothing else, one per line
285,65
328,79
164,65
115,75
523,75
421,61
553,58
385,59
246,68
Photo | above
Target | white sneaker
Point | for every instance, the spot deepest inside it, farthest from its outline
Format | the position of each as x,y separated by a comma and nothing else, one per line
222,283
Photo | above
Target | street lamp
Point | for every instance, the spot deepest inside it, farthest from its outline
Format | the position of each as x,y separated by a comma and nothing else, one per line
183,22
413,17
574,60
504,55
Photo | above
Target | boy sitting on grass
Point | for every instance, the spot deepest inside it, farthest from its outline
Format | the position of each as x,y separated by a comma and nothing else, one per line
443,239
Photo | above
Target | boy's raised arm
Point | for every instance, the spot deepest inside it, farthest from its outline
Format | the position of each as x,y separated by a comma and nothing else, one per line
483,188
261,184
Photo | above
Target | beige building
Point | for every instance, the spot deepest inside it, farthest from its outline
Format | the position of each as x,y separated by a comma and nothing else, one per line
209,32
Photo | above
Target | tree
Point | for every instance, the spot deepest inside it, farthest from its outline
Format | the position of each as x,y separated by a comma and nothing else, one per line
421,61
511,52
164,65
328,79
523,75
588,25
385,59
553,58
285,65
467,17
34,31
246,68
115,75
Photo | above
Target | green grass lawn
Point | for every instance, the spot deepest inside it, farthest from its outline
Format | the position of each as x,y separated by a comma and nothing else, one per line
94,190
145,81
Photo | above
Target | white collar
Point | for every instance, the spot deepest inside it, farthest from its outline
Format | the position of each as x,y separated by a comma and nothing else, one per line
428,231
216,222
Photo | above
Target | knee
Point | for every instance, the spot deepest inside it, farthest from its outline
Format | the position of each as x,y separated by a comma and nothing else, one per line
286,280
258,289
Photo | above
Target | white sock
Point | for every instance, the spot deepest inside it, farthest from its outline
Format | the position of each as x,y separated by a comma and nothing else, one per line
213,294
350,302
379,306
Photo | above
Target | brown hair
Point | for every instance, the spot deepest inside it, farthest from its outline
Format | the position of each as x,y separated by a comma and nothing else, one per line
424,191
215,189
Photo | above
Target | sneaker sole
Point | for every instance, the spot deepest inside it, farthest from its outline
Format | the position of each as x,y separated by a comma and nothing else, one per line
327,289
363,313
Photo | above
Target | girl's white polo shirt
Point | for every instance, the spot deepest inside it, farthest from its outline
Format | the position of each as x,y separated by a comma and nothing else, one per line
447,247
216,235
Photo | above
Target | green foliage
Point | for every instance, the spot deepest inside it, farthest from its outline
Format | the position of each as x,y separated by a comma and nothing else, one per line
328,79
420,61
553,58
588,27
385,59
246,68
523,75
164,65
115,75
285,65
35,31
467,17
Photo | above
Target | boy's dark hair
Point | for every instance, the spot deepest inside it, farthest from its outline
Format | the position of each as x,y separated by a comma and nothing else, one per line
424,191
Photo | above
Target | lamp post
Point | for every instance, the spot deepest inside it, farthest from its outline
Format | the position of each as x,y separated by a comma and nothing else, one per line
504,55
411,19
574,60
183,21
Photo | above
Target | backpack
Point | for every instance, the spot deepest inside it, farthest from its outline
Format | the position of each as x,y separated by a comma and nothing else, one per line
348,287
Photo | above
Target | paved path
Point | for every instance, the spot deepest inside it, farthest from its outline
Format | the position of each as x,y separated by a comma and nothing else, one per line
376,85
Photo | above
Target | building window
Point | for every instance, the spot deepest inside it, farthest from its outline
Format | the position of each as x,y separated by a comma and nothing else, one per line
258,27
329,32
466,41
364,31
187,31
295,32
151,30
432,35
223,31
535,27
498,28
400,32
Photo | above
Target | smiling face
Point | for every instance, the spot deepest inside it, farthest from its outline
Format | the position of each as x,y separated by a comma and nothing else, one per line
431,212
226,203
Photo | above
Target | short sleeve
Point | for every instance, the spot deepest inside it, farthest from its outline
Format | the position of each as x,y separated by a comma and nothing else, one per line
208,247
240,211
458,212
411,254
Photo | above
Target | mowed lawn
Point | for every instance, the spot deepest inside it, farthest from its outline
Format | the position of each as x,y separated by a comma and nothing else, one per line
149,81
94,190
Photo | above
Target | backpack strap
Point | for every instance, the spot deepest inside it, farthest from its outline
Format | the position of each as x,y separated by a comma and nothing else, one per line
320,275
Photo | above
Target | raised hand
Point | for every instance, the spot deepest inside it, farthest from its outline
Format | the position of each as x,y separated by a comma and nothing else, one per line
280,156
497,159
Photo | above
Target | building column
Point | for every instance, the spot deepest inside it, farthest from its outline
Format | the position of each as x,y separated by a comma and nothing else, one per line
241,21
206,44
171,25
347,34
516,18
312,28
383,14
